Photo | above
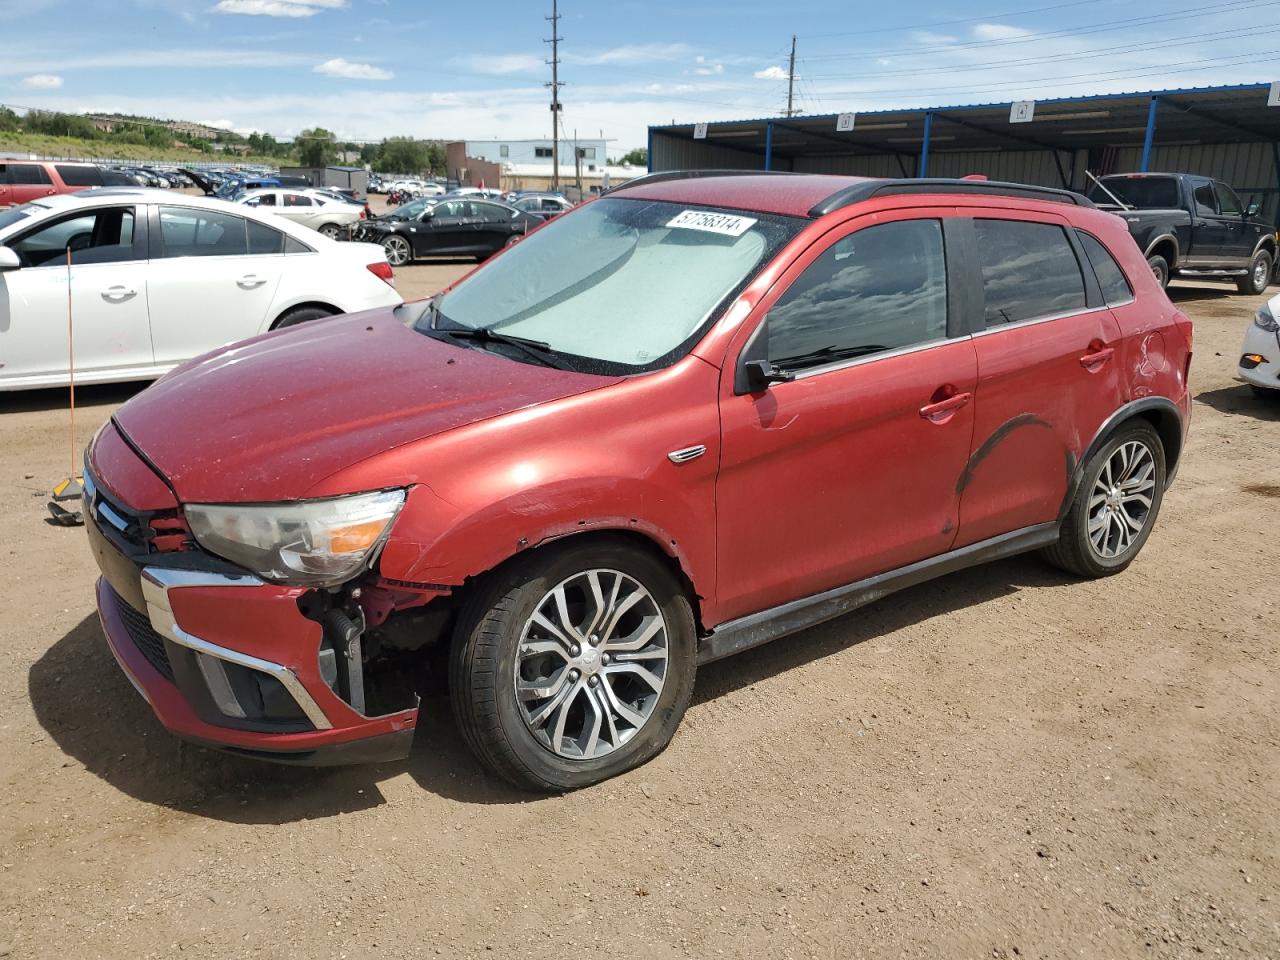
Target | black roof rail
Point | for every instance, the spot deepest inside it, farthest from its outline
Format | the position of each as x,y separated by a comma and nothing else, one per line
887,188
663,176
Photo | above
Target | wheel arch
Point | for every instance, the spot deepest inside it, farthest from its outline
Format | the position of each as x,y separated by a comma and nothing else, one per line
333,309
1161,412
1165,245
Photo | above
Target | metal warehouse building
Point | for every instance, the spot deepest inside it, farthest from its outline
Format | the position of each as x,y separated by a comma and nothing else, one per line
1231,133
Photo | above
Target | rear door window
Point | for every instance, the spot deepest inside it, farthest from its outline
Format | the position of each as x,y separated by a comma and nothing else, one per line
881,288
264,240
1206,204
188,232
28,174
1111,279
1029,271
297,200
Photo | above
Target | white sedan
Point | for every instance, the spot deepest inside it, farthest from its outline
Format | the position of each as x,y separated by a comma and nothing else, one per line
158,278
1260,355
311,208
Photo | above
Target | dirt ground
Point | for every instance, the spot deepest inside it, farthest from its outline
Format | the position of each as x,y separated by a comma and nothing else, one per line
1003,763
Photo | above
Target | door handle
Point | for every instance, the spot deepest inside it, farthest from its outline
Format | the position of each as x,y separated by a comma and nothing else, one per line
944,410
1097,357
249,282
118,294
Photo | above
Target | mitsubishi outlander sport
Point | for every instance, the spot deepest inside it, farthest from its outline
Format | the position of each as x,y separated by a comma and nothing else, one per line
692,416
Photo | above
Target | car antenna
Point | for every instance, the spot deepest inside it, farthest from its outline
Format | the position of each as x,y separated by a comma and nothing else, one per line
71,488
1102,187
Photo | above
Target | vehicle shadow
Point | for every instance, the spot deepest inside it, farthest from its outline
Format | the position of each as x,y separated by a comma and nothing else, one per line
1184,294
966,588
1242,401
91,711
57,398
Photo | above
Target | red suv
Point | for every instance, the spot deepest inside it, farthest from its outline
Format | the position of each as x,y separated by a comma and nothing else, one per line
22,181
687,418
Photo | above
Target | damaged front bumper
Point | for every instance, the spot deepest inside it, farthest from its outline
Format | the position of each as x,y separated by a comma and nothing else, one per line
230,661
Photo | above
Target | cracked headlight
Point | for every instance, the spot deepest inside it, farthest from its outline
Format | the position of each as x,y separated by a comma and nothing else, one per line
313,543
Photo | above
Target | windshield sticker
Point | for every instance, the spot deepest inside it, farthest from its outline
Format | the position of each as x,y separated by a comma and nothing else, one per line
723,223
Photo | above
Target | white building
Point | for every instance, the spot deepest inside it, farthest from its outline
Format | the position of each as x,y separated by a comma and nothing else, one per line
529,153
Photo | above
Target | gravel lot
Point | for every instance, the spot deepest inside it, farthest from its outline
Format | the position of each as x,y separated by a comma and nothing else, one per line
1003,763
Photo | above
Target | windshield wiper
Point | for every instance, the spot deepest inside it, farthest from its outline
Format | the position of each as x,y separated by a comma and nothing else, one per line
539,350
832,351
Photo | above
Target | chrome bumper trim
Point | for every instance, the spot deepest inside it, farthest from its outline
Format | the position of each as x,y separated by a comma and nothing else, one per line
156,584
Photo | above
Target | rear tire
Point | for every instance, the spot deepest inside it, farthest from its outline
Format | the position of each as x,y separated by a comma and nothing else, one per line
603,716
301,315
1115,506
1160,269
1259,274
331,230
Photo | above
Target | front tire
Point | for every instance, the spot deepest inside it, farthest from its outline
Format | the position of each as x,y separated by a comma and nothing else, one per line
301,315
1259,274
1115,506
573,664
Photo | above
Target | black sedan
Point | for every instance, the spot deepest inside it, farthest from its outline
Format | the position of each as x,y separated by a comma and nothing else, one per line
456,227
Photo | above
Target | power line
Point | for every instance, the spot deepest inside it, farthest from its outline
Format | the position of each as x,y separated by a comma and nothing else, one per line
1234,5
951,23
1188,40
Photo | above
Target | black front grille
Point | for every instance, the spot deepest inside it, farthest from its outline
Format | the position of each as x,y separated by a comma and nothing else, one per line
149,643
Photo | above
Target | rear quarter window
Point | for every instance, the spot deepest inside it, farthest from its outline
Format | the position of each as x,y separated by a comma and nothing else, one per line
1029,271
74,175
1111,279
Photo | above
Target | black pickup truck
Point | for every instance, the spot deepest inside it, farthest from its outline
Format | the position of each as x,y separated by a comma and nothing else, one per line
1192,227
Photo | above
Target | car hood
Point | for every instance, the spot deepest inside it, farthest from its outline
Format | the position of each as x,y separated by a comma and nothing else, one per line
269,418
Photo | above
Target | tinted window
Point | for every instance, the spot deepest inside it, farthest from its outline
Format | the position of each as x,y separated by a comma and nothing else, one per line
74,175
1029,270
452,208
25,174
295,246
1115,288
1142,192
1204,199
1228,202
264,200
296,200
202,233
103,236
490,212
263,239
878,289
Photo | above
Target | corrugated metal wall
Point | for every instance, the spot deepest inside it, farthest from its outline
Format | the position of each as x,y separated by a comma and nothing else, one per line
1248,167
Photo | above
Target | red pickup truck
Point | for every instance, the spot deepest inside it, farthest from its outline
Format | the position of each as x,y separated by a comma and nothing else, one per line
22,181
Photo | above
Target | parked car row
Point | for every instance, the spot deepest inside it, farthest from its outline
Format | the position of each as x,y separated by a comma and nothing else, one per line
447,227
331,214
157,278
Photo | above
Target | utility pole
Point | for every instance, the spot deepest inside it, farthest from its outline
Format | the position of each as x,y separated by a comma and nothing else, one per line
791,76
555,86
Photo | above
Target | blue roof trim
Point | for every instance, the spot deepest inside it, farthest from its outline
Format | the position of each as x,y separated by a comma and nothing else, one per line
1090,98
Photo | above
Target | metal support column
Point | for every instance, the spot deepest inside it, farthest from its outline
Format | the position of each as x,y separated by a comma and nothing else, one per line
768,146
1151,134
924,146
648,153
1275,152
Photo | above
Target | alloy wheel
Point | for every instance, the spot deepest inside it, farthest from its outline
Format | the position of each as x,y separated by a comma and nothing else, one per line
397,250
1120,503
591,664
1261,274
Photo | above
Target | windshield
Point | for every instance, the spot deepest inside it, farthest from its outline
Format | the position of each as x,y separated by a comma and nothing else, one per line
617,286
17,214
1143,193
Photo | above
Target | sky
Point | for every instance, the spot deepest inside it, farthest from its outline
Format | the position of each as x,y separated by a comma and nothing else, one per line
368,69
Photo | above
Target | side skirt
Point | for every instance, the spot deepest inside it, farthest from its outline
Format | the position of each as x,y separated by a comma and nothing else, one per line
758,628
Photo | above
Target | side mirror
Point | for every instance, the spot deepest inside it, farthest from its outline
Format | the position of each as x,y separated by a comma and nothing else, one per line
9,260
1253,209
759,374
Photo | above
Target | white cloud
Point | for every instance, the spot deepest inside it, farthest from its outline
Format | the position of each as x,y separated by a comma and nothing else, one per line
338,67
631,54
771,73
277,8
42,81
500,64
998,31
705,68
